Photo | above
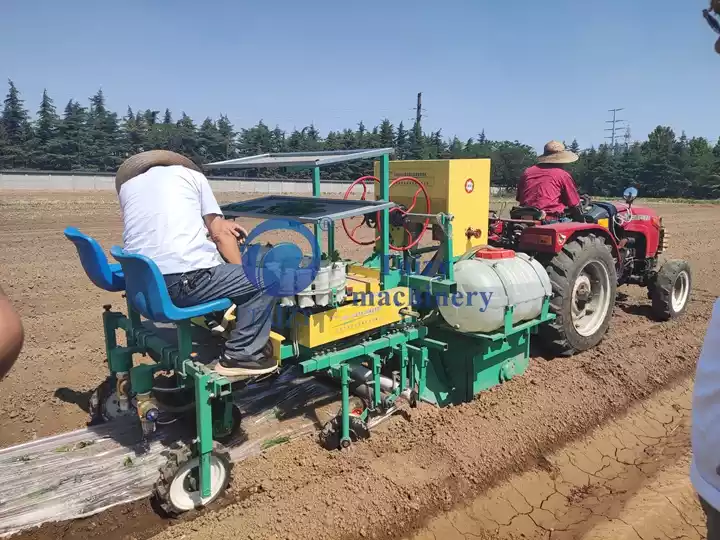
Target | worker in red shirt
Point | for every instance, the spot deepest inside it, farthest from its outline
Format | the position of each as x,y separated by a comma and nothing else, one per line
547,186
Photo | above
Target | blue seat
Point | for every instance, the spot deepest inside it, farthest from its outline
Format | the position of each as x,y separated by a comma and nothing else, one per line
95,263
147,292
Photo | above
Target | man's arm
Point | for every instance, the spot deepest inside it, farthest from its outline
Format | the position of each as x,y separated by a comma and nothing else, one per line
223,232
571,197
570,194
12,335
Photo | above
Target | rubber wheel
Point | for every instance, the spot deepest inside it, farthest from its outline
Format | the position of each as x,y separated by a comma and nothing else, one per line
332,432
670,290
236,423
177,490
584,285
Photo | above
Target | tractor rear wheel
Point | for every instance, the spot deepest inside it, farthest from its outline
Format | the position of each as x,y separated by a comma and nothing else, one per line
584,284
670,290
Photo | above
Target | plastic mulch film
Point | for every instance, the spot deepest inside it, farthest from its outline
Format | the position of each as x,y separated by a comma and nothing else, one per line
84,472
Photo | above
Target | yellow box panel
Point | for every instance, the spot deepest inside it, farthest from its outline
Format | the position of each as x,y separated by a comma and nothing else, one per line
460,187
603,222
352,318
362,279
469,201
360,270
276,340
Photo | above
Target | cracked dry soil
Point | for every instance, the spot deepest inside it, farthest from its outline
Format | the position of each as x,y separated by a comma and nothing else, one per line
627,480
414,467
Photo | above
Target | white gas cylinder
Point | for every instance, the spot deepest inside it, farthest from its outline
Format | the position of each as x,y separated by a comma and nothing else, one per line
488,280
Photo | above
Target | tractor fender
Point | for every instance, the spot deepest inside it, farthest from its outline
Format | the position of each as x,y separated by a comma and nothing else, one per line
553,237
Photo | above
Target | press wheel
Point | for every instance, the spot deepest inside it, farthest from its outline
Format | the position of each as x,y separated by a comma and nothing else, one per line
178,488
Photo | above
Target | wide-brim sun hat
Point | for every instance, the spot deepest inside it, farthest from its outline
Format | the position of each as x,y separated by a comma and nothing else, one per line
555,152
140,163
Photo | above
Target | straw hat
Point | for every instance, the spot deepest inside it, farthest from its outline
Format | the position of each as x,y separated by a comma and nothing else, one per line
555,152
139,163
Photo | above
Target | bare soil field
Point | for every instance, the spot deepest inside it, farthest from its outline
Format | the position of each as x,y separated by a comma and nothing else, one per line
416,466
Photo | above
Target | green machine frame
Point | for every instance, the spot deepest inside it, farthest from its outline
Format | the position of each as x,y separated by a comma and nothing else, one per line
427,359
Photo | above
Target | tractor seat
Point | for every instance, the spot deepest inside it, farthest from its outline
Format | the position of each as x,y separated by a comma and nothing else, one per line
95,263
526,212
147,292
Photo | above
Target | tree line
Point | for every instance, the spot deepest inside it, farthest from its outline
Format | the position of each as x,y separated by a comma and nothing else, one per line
89,137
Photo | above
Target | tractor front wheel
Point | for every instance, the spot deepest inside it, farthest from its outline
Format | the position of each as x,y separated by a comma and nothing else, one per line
670,290
584,284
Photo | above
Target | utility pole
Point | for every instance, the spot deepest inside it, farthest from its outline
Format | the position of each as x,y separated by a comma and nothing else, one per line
614,135
418,116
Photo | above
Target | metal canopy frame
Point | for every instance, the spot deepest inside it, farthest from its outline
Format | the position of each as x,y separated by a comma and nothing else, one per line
299,159
314,160
343,208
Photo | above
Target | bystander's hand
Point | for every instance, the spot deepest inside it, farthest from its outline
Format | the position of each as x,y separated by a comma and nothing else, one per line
11,334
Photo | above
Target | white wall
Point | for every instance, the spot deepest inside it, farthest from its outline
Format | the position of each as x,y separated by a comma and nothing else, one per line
68,181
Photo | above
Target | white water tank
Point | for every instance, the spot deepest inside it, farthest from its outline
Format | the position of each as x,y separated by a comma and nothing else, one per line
488,280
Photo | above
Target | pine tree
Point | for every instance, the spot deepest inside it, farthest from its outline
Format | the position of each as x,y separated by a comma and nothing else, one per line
17,132
386,135
45,145
74,138
105,152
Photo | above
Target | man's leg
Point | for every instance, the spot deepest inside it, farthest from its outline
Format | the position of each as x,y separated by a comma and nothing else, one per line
246,351
713,520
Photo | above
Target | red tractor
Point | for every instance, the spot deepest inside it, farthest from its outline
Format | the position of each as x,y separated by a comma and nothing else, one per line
614,244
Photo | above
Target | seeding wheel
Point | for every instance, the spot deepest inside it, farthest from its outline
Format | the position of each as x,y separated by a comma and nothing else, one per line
178,488
104,404
332,432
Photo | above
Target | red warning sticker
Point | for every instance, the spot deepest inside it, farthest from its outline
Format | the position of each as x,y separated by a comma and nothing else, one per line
469,185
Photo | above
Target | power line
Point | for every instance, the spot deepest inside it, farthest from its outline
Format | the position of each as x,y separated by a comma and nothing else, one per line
616,132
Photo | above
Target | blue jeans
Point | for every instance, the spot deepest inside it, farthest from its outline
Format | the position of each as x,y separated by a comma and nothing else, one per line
254,306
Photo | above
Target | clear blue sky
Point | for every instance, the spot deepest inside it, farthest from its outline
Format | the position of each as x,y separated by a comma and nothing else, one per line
526,70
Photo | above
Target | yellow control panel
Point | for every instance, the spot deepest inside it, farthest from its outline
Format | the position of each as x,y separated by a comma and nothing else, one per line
460,187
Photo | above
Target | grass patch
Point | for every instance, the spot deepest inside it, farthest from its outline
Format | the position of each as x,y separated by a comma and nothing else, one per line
274,442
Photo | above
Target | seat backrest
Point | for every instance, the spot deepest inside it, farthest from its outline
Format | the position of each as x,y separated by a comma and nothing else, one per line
145,286
94,261
518,212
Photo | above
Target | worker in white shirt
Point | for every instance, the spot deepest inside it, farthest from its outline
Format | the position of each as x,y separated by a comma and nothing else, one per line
705,466
168,209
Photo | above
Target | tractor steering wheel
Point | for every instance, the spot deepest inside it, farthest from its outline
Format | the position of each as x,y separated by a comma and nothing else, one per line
397,215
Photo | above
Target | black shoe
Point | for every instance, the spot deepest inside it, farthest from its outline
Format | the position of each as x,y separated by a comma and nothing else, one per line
234,368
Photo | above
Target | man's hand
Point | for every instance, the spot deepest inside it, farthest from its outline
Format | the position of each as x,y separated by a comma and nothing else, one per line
227,235
238,231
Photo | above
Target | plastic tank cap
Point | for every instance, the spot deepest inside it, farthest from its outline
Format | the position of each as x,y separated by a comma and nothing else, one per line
494,253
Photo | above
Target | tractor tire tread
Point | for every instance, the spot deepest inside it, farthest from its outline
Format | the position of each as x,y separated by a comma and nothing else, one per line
559,269
660,290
